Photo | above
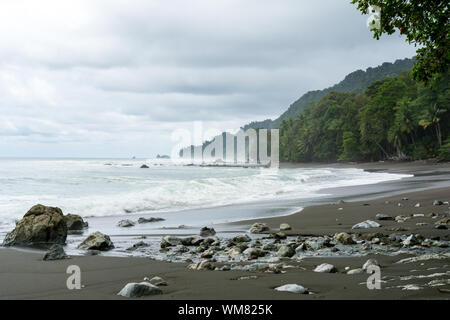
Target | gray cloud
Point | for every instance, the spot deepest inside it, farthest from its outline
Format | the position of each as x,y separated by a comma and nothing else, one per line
114,78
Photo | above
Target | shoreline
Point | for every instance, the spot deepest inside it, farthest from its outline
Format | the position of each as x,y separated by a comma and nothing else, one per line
23,274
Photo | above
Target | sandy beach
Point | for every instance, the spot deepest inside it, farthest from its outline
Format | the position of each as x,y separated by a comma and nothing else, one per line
24,275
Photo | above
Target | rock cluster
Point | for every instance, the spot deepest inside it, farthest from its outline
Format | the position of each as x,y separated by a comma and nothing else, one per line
40,225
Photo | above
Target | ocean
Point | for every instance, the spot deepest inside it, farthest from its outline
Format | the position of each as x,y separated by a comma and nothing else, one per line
119,187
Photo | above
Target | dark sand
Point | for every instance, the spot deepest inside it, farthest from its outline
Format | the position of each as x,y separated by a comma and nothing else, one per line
23,274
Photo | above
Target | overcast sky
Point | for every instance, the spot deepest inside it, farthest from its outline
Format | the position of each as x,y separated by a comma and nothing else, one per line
115,78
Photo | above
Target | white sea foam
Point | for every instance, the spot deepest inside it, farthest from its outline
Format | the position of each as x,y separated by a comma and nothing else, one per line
116,187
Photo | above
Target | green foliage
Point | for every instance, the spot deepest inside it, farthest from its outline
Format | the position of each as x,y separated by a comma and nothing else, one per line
394,117
356,82
425,24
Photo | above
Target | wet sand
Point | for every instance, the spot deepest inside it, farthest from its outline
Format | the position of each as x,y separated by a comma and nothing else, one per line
23,274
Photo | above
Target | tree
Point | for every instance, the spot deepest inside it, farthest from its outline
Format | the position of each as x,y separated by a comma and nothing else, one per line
425,24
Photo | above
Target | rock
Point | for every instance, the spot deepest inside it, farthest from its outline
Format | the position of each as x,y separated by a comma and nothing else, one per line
40,225
260,267
144,166
93,252
210,242
370,262
140,244
344,238
326,243
225,268
401,218
75,222
294,288
371,236
355,271
303,247
149,220
381,217
285,251
234,252
207,232
56,252
125,223
437,203
421,224
180,249
439,244
397,229
204,265
241,238
97,241
195,241
366,225
279,235
170,241
254,253
258,228
325,268
270,247
285,227
410,241
136,290
444,221
207,254
158,281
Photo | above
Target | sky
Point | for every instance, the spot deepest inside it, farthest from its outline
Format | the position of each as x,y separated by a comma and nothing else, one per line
112,78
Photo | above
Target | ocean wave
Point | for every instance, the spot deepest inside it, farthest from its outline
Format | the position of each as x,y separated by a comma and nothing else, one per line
90,188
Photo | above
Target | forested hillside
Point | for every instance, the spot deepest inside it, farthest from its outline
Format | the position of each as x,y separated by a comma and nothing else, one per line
395,117
356,82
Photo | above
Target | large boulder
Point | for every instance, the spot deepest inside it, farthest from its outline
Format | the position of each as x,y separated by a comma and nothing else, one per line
74,222
258,228
136,290
97,241
40,225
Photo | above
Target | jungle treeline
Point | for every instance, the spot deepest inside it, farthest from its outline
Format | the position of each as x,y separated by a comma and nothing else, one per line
393,118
